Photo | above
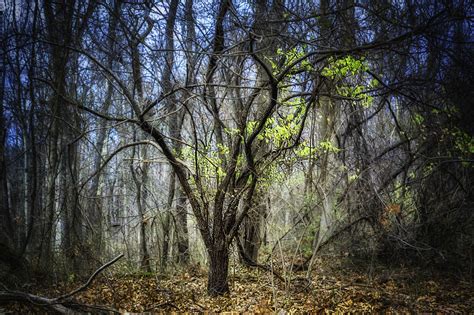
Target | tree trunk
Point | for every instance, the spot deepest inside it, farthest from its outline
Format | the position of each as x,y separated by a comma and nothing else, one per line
32,164
252,228
6,227
140,178
145,263
254,222
73,220
167,221
182,228
218,269
174,125
57,17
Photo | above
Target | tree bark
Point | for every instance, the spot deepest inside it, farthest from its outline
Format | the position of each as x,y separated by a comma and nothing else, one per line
217,283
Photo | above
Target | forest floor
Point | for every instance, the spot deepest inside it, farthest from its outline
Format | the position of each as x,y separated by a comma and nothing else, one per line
333,287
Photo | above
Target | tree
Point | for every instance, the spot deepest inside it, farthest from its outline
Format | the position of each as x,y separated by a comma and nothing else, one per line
223,95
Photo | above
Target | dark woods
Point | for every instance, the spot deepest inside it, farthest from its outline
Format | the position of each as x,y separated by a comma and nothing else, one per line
183,132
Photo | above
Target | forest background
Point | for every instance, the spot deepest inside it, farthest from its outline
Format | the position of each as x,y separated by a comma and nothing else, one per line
184,134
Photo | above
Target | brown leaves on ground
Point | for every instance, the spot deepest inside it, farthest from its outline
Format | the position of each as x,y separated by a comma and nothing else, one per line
329,290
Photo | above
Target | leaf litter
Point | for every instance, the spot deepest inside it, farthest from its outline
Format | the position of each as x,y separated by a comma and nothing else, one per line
330,289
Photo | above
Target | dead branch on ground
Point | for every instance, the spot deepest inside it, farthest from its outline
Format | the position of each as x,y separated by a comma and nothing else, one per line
62,304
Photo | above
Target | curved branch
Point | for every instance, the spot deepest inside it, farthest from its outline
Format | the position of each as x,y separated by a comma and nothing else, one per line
59,304
89,281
